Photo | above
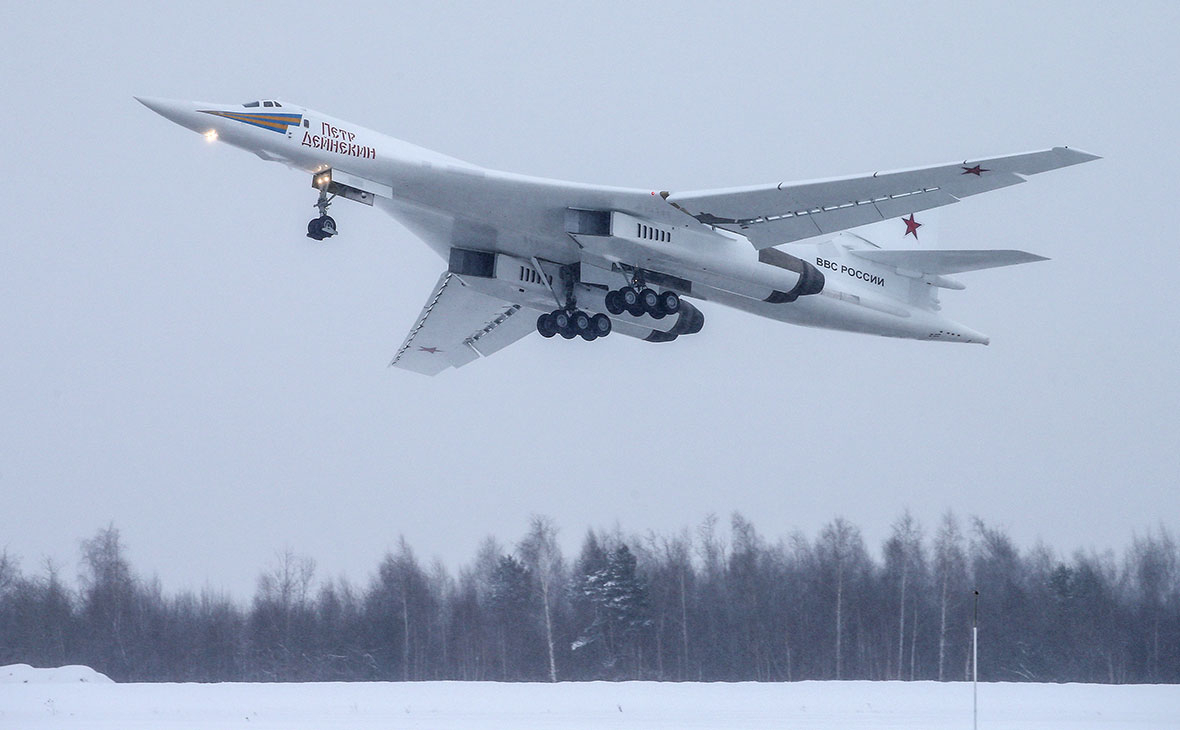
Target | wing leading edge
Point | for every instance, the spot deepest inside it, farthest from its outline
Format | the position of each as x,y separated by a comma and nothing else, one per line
457,325
772,214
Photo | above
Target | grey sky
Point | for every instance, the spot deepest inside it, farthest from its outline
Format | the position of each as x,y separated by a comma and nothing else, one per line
180,360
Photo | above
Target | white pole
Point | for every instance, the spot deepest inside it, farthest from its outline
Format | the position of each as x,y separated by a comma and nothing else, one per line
975,664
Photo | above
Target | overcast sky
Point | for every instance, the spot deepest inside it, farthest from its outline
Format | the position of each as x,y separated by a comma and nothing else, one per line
178,359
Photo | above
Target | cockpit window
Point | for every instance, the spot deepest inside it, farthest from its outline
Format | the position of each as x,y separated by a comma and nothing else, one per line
268,103
250,104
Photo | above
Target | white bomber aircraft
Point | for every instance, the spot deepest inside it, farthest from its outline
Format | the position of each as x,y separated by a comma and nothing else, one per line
569,259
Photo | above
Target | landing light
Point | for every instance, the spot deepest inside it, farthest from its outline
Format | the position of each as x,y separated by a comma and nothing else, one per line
211,135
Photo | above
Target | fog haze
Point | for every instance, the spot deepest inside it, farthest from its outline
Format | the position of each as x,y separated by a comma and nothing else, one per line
181,361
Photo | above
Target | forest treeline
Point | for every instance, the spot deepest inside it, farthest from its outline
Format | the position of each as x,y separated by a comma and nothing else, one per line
704,604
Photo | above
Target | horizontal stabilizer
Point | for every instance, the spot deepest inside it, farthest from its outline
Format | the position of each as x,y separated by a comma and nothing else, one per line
946,262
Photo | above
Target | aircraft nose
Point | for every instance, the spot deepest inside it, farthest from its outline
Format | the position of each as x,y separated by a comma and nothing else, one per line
183,113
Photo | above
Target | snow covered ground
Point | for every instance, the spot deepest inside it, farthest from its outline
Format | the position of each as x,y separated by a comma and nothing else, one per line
24,674
71,702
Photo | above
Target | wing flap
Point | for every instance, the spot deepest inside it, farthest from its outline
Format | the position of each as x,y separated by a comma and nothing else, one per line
772,214
456,326
503,331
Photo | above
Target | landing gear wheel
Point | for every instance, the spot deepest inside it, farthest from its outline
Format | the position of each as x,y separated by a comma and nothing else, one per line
635,311
313,230
600,325
580,322
614,303
574,323
321,228
669,302
628,297
650,301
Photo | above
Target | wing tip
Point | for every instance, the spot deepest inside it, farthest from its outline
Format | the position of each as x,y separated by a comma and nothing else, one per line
1077,156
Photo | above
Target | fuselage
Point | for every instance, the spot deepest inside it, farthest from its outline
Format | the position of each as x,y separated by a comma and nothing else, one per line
449,203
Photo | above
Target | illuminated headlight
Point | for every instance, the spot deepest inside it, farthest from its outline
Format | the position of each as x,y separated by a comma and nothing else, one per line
211,135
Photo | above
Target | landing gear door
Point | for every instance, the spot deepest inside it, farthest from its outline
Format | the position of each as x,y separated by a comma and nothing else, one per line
349,186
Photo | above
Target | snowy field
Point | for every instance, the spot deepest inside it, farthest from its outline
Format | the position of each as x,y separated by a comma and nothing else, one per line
75,697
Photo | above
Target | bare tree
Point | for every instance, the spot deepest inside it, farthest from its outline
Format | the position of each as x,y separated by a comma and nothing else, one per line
673,577
9,571
1153,570
950,569
903,555
402,589
541,554
281,617
108,589
288,581
840,550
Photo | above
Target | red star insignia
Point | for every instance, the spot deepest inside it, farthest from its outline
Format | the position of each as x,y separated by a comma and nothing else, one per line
911,226
431,350
976,171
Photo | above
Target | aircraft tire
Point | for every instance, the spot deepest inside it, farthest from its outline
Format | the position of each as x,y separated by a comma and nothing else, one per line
628,297
669,302
600,325
545,326
561,320
327,225
580,322
650,300
635,311
614,303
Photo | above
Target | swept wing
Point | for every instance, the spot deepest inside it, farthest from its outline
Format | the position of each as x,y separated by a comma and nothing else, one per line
772,214
457,325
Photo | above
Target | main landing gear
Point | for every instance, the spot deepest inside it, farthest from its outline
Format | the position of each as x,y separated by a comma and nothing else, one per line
638,302
575,323
637,299
571,323
324,226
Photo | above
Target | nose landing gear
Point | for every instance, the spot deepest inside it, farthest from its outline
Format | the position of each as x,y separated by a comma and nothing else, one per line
324,226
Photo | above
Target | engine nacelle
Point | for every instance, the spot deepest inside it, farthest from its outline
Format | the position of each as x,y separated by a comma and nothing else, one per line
689,321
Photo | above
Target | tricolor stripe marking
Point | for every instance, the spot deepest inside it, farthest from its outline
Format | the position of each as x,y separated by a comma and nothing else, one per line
274,122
